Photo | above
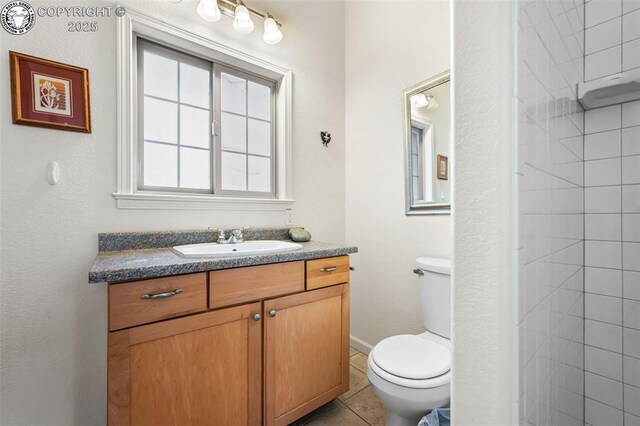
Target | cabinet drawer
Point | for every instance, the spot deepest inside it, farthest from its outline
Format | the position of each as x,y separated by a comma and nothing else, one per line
326,272
183,294
239,285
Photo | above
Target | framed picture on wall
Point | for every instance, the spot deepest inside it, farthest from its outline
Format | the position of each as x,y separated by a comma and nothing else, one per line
49,94
443,167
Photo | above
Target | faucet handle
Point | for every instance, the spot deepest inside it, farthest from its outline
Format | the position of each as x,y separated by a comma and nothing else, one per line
237,232
220,232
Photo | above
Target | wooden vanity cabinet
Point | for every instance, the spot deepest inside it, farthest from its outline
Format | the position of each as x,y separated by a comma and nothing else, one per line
204,369
266,356
306,352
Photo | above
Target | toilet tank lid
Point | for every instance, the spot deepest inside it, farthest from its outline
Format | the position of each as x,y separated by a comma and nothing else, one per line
434,264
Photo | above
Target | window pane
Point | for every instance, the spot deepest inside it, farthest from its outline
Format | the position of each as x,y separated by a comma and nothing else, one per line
234,132
415,137
195,129
194,85
160,165
259,137
233,94
160,76
415,167
234,171
259,174
259,101
194,168
160,120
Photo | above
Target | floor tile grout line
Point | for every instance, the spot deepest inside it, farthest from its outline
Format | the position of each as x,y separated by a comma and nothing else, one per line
355,395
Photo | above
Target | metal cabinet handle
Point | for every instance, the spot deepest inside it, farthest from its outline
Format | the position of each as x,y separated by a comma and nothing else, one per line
162,295
418,272
257,317
329,269
272,313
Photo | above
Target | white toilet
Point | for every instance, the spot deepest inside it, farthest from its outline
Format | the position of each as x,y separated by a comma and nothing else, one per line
411,374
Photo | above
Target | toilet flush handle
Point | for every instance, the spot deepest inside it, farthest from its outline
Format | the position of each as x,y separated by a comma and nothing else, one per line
418,272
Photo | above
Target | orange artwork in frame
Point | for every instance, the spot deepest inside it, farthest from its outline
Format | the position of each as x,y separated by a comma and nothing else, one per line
49,94
442,163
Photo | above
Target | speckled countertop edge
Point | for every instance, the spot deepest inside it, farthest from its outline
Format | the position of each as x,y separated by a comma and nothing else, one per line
127,265
118,241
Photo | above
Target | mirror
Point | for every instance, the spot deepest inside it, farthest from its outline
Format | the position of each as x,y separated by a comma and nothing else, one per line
427,140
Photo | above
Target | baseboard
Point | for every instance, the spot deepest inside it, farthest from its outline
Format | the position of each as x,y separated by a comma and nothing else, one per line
361,345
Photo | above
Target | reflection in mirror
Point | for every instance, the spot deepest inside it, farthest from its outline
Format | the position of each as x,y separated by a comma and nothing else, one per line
427,115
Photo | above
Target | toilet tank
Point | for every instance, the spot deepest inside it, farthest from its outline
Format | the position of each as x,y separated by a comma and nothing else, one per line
435,294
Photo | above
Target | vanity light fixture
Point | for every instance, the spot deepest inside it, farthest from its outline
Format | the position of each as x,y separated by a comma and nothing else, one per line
421,100
209,10
433,104
242,22
272,34
212,10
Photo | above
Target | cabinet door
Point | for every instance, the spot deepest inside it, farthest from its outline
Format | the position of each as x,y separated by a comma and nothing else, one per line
203,369
306,352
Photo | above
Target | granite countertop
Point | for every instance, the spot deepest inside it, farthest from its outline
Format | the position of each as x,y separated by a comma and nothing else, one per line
133,256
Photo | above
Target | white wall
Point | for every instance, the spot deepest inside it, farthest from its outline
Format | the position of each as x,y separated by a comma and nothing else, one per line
53,335
388,49
482,337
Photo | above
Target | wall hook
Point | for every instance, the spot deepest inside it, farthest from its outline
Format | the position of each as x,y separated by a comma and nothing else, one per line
326,138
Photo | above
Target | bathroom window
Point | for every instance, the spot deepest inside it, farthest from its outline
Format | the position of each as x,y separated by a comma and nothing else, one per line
421,160
416,161
203,127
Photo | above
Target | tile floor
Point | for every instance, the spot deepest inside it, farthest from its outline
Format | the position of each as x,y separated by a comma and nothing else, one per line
358,407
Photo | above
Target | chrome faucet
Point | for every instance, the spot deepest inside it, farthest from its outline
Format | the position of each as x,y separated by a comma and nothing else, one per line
235,238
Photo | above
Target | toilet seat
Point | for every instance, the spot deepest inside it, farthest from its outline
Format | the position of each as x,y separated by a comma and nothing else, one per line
411,361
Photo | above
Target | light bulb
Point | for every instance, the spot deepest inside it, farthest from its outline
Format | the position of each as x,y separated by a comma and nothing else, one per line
272,34
421,100
242,22
209,10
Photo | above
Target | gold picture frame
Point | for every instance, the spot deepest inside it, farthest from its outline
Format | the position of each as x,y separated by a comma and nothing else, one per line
442,163
49,94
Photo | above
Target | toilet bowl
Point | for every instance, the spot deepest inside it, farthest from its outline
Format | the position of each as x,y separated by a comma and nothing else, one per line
411,374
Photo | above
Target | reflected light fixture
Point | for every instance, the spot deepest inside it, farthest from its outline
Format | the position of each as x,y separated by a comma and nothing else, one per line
421,100
209,10
242,22
212,10
433,104
272,34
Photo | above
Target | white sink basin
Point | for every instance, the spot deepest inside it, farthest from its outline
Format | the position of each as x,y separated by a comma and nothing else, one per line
241,249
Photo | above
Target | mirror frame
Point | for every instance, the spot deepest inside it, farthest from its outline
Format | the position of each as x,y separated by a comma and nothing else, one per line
412,208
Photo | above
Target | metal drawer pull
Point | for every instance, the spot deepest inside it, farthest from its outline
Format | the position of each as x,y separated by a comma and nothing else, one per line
329,269
418,272
257,317
162,295
272,313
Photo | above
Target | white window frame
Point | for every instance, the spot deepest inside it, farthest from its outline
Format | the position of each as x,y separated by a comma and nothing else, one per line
135,24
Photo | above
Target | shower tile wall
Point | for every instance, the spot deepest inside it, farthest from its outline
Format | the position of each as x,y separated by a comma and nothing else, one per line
612,260
550,244
612,222
612,37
